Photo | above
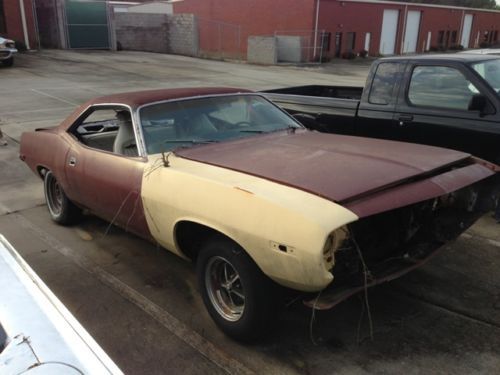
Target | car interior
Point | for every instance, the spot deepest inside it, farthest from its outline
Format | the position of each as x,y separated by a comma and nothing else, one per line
108,130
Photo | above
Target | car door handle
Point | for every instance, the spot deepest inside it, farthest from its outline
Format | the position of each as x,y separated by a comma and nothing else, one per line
405,118
72,161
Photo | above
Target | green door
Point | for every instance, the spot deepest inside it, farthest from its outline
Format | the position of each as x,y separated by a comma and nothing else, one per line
87,23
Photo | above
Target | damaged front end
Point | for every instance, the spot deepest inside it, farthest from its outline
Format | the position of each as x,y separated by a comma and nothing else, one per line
387,245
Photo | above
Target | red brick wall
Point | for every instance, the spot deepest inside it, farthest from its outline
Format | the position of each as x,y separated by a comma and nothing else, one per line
14,24
264,17
256,17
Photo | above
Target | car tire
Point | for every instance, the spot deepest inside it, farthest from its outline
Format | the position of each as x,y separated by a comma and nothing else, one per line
221,261
61,209
8,62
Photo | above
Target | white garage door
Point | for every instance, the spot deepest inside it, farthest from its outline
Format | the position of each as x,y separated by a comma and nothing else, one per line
389,31
466,29
411,32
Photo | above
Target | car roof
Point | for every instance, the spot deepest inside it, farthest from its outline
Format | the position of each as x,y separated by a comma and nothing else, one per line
137,98
449,57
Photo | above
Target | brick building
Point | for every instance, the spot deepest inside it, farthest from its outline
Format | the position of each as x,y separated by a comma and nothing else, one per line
17,22
343,26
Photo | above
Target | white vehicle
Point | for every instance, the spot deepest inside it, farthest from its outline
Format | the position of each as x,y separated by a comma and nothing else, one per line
483,51
7,50
38,335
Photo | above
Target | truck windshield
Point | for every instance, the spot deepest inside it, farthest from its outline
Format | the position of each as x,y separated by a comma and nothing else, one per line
490,71
185,123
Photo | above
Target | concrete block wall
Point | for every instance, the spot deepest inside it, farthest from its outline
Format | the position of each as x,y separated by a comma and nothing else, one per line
262,50
142,32
183,34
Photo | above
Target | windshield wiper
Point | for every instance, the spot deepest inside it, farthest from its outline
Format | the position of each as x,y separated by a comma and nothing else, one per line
252,131
192,141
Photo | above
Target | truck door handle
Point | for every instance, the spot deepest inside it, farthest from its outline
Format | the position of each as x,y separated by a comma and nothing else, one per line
72,161
405,118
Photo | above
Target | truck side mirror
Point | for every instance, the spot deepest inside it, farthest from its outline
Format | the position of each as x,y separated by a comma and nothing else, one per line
478,102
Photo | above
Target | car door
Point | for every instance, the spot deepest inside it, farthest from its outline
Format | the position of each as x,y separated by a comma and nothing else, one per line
376,110
434,110
104,181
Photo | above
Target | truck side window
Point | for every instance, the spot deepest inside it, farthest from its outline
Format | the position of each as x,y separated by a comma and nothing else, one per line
441,87
384,80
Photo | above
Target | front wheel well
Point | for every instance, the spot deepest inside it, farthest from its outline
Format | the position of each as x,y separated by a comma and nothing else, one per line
191,236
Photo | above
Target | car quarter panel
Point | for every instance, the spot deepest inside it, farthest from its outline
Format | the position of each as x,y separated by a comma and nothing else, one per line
48,149
254,212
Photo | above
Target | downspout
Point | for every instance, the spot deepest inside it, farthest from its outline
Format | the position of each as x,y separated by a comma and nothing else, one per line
316,28
401,49
35,19
461,30
25,27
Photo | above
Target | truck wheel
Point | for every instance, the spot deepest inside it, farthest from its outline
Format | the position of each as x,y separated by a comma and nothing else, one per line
61,209
237,295
8,62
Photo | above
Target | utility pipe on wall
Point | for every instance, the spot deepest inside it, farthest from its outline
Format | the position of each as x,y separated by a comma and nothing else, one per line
25,27
316,28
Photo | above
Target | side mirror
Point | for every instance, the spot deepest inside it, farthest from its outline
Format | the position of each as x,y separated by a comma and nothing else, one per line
478,102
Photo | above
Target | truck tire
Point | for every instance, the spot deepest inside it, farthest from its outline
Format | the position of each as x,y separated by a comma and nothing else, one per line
237,295
61,209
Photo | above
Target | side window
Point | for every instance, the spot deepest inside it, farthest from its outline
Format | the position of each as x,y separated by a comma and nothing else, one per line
384,80
108,129
441,87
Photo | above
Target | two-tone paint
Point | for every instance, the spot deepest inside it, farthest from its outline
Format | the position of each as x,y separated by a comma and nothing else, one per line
279,196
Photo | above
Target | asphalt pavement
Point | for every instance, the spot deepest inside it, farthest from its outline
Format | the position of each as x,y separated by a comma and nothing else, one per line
141,303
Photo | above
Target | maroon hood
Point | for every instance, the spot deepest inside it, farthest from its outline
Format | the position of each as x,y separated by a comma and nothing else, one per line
345,169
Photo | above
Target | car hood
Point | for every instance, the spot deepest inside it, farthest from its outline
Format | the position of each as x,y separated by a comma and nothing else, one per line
344,169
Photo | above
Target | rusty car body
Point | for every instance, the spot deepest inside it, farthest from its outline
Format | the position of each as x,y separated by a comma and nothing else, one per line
225,178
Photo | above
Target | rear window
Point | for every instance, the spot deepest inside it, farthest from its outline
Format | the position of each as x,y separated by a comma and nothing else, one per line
384,82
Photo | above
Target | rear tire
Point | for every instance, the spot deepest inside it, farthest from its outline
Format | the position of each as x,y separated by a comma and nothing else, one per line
238,296
8,62
61,209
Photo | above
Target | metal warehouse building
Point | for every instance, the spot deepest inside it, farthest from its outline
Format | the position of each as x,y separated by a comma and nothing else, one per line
333,28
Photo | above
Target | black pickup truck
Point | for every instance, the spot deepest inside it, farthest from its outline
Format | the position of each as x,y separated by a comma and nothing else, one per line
448,100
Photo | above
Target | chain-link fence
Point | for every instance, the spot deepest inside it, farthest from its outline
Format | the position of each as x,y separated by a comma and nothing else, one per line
220,40
301,46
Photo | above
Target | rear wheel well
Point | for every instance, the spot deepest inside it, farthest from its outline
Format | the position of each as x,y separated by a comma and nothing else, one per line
191,236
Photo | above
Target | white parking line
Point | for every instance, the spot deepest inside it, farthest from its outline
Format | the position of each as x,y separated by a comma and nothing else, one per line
54,97
179,329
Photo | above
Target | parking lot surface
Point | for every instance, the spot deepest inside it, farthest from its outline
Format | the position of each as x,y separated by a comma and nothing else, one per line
140,302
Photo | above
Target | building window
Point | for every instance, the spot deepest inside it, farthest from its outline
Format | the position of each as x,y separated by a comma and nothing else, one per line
441,38
351,42
3,27
453,37
325,41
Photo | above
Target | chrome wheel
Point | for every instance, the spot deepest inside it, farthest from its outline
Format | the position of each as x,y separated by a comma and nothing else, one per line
55,196
224,288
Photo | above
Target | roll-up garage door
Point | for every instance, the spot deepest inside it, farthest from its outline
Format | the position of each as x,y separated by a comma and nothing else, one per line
389,32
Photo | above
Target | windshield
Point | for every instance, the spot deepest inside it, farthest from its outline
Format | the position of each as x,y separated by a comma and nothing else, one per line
490,71
186,123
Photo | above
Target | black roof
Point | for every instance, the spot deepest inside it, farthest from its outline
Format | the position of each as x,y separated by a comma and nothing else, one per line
461,57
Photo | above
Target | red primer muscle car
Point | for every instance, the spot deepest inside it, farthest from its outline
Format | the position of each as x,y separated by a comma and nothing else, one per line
225,178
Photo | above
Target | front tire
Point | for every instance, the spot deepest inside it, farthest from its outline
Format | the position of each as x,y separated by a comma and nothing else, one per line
61,209
238,296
